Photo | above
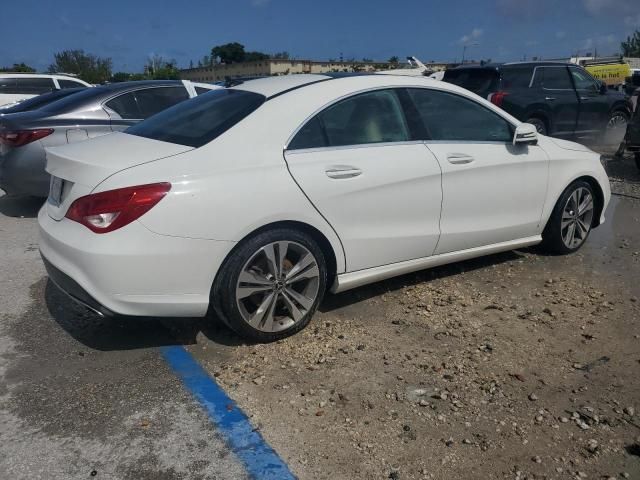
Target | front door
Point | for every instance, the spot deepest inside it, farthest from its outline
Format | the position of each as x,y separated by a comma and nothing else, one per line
380,191
594,106
493,191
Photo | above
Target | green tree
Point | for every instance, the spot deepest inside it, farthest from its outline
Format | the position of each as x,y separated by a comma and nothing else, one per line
229,52
631,47
120,77
88,67
157,68
19,67
254,56
395,60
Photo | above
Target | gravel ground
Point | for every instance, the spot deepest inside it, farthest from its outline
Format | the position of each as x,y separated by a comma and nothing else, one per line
518,365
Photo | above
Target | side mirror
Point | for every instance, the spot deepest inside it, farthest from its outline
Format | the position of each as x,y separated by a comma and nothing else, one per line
526,134
603,88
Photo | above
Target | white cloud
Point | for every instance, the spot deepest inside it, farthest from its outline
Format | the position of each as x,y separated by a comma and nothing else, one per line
475,34
632,21
613,7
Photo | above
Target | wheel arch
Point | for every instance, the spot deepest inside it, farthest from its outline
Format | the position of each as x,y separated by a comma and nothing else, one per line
543,115
599,198
323,242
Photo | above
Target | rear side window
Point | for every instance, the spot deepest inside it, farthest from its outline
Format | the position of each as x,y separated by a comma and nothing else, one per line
374,117
553,78
70,84
516,78
34,86
198,121
125,105
478,80
449,117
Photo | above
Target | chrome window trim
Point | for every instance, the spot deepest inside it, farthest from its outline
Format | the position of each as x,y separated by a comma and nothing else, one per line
406,142
354,147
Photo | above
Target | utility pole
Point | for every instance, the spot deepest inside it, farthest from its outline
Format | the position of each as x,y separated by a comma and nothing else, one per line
464,49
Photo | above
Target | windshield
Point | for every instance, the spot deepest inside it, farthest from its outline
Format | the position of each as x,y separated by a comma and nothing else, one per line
197,121
479,80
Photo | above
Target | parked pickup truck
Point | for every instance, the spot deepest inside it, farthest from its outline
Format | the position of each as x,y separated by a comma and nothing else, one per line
560,99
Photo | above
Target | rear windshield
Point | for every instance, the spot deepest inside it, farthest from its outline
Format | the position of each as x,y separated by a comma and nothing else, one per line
73,101
479,80
40,101
198,121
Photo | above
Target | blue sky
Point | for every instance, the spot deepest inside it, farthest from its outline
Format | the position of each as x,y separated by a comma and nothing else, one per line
130,31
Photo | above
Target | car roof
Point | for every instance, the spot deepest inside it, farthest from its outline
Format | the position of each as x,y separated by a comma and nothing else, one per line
497,66
271,86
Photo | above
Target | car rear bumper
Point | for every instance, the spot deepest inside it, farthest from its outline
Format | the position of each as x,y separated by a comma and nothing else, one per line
131,271
22,171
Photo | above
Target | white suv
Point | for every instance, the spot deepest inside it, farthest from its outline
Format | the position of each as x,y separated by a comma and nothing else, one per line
15,87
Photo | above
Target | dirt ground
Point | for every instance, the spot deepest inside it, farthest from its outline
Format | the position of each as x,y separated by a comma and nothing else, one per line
518,365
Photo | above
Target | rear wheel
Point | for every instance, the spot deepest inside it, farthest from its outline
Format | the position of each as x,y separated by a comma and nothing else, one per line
540,125
271,285
571,220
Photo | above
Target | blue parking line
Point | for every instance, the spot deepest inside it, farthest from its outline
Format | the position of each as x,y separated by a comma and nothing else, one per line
259,459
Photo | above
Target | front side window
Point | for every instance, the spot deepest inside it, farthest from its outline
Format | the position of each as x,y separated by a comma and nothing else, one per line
553,78
154,100
198,121
583,80
373,117
34,86
450,117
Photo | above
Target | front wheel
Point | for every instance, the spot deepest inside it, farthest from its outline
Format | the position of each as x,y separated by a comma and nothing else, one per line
271,285
571,220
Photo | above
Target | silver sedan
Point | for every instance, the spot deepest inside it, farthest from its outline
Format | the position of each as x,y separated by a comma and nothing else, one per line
86,114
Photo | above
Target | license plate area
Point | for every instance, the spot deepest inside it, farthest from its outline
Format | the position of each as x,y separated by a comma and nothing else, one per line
55,191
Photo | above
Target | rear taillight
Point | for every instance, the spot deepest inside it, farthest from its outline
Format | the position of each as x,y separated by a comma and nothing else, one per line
18,138
497,98
107,211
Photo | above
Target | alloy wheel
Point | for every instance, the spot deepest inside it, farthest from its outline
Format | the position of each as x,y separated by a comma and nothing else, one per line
277,286
576,218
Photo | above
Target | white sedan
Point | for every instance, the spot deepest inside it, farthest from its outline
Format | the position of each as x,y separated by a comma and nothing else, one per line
250,202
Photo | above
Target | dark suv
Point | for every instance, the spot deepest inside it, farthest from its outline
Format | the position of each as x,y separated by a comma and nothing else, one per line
560,99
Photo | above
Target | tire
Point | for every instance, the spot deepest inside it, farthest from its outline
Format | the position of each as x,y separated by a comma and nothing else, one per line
557,237
636,156
616,128
248,282
539,123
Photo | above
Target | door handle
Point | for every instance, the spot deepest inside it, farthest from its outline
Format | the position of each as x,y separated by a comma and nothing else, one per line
342,172
549,99
459,158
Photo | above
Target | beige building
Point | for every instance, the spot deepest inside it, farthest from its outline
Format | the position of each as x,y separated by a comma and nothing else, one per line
273,66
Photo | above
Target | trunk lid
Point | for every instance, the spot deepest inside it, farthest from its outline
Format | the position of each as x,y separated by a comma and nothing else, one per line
82,166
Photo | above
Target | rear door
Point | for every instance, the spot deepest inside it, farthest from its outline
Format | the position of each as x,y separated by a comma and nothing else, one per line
379,190
556,90
594,106
493,191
